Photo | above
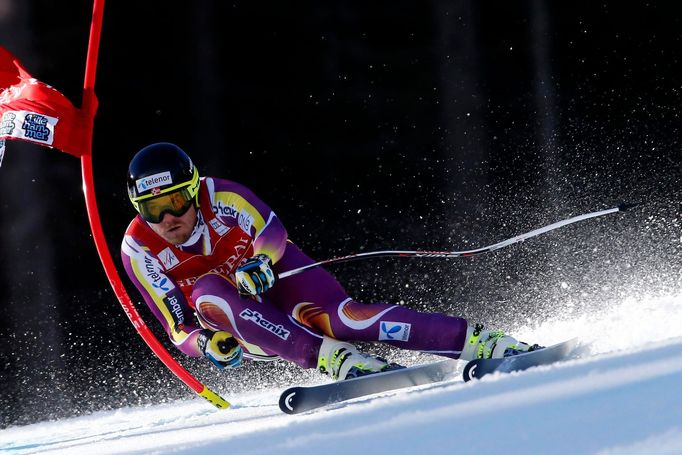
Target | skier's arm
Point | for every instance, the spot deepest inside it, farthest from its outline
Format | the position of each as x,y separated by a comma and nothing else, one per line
163,296
236,204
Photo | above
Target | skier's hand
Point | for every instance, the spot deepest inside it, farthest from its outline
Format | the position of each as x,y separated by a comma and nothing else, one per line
255,276
220,348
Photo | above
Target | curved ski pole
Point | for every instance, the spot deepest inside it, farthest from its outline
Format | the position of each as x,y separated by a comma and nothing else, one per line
456,254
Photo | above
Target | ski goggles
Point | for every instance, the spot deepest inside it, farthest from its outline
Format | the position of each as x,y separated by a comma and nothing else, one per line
176,203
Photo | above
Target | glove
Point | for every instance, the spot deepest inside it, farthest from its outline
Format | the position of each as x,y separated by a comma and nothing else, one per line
221,348
255,276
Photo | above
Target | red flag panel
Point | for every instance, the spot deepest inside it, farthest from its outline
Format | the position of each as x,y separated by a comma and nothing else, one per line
33,111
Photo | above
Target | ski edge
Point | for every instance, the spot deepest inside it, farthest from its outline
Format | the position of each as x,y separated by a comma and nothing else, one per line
337,392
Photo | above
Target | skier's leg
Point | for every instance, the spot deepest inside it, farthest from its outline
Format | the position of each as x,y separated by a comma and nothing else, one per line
263,329
317,300
398,326
409,329
260,327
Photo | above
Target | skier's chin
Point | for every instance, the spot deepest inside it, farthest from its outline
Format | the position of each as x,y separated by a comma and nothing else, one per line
176,235
176,230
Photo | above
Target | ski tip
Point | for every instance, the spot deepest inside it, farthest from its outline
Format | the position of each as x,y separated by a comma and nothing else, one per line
469,372
287,401
477,368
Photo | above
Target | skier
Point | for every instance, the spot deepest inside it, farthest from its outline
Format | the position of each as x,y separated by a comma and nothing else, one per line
205,254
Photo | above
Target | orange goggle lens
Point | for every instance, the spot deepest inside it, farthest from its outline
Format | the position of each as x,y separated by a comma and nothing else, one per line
176,203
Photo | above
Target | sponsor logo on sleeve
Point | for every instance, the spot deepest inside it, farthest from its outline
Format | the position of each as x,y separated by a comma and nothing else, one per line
153,181
160,282
176,311
245,221
394,331
221,209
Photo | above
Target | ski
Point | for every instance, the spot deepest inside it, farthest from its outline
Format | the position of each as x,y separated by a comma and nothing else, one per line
476,369
295,400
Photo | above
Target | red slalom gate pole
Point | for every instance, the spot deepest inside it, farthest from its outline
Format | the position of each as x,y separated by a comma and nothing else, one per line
89,108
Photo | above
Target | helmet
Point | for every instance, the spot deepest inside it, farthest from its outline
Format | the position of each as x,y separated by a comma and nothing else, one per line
162,179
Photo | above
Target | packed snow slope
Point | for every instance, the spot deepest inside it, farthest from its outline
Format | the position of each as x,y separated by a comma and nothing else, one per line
621,397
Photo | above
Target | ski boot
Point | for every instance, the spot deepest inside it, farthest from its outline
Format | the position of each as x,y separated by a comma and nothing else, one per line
492,344
342,361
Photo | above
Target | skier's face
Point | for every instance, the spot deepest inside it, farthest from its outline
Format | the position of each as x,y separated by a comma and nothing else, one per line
176,229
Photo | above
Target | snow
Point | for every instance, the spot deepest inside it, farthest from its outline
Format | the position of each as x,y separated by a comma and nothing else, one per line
621,397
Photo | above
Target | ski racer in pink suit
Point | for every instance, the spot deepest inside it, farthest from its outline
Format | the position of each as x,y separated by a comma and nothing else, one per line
205,254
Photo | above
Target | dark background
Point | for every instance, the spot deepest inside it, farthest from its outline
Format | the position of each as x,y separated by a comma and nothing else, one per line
388,125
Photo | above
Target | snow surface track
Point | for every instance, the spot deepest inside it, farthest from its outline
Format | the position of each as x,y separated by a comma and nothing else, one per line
625,401
617,403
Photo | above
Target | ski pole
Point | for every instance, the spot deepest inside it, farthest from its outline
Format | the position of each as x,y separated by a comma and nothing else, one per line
456,254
